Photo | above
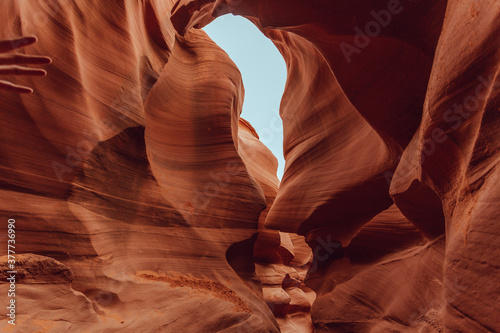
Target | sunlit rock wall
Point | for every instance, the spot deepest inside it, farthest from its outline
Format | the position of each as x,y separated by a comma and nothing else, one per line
130,170
391,137
134,182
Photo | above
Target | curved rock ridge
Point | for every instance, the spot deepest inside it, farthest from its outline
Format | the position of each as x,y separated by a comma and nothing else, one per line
143,202
317,119
139,194
391,129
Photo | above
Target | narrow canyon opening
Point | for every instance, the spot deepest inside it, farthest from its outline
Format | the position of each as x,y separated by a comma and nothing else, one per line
264,76
274,262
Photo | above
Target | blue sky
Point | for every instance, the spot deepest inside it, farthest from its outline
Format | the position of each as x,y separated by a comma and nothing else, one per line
264,75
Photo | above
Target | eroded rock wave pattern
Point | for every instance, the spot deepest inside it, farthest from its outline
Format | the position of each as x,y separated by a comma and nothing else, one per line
144,203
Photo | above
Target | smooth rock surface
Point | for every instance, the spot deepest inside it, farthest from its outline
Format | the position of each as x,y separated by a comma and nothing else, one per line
143,202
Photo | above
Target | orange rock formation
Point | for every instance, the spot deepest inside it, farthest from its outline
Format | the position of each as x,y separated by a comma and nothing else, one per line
144,203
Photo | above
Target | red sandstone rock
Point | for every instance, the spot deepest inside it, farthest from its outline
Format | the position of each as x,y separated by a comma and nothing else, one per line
94,181
444,149
143,202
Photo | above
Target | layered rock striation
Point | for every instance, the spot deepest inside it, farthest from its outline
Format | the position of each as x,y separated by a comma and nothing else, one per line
143,202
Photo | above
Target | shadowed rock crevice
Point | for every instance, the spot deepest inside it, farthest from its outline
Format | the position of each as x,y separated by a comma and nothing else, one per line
423,207
391,138
114,171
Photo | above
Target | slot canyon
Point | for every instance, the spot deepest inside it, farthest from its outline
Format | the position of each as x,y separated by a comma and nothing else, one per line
140,201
